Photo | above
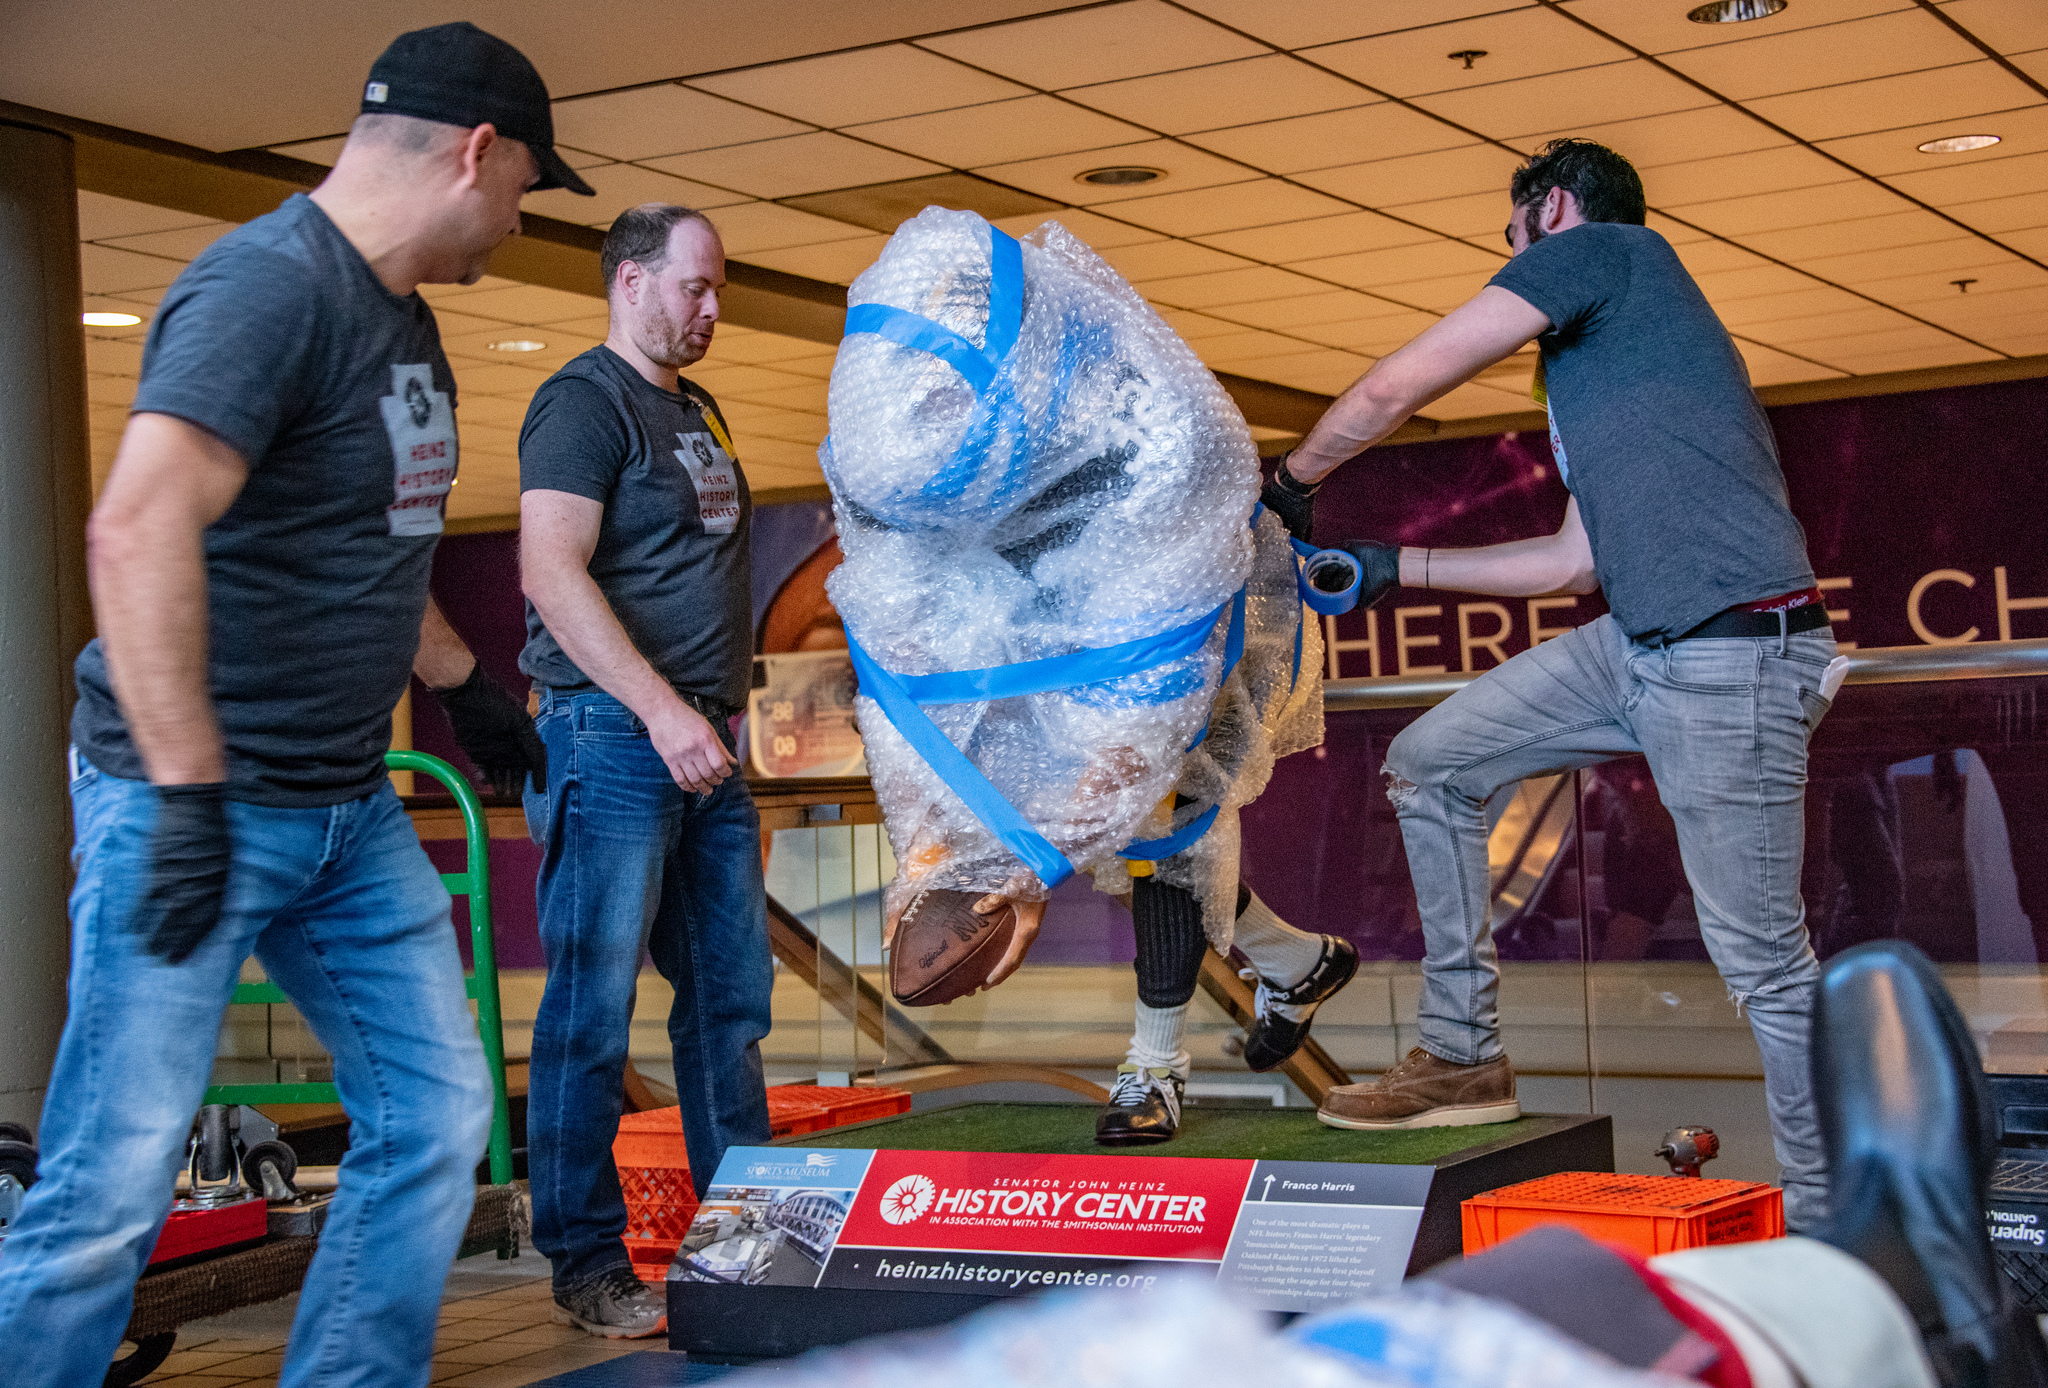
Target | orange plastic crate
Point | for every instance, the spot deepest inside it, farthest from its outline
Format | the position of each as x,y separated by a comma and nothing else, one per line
654,1175
1650,1214
790,1115
847,1103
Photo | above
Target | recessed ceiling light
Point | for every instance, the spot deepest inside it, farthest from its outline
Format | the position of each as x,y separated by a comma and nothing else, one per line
1121,176
1735,11
517,344
109,320
1958,144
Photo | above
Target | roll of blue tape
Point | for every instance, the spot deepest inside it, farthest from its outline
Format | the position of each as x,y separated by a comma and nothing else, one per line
1325,564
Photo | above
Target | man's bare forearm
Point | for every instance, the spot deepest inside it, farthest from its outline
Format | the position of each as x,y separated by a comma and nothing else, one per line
147,563
444,661
588,631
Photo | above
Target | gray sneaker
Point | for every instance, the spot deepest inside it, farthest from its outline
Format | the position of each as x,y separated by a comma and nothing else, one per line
614,1304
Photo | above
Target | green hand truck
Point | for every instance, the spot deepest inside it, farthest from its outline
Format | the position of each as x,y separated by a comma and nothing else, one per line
166,1299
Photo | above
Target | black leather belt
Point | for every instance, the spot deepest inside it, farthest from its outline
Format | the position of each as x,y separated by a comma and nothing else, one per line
716,711
1740,621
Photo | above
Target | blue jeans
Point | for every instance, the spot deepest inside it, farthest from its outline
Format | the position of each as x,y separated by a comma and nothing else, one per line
636,864
1724,725
349,917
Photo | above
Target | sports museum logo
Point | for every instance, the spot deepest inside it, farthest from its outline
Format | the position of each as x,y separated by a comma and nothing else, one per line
814,1165
910,1198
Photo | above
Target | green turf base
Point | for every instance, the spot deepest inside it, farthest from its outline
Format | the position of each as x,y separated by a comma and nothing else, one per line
1276,1134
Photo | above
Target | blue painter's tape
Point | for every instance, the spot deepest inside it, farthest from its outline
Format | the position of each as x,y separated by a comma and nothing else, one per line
1152,850
907,329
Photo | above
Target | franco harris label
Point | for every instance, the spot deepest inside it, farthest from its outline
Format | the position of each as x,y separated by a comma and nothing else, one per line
421,425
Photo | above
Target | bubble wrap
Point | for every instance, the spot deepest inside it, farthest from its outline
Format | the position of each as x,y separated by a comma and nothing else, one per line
1095,492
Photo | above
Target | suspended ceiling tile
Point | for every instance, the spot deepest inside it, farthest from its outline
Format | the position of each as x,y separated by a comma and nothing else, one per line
1401,265
1273,87
1227,287
1949,353
1058,177
559,347
835,262
1519,43
1474,401
314,151
1888,103
1842,349
108,303
1308,310
1818,327
111,390
1988,316
1809,246
1744,217
816,366
108,271
1160,259
764,226
1383,129
620,186
868,84
805,395
1928,282
453,324
113,357
1095,45
1319,236
1193,327
184,244
662,119
1374,336
1950,183
1769,367
760,349
1671,137
2022,131
1792,303
1230,207
1587,96
795,164
529,303
1958,256
1860,49
477,436
1776,170
1678,233
514,381
1029,127
1440,294
739,381
1421,177
1302,23
1247,347
1731,286
1664,29
1100,233
1473,217
435,293
1708,257
103,218
2010,26
490,410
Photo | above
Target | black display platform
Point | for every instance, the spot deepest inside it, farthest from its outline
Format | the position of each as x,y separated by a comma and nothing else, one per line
734,1323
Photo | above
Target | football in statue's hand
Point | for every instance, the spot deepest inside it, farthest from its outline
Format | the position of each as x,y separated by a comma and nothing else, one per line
943,949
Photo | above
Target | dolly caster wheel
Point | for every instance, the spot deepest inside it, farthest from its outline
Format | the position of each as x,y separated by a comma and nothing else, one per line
18,1160
15,1132
268,1167
140,1362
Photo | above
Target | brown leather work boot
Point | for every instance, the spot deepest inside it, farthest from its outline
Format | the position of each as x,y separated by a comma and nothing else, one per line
1425,1092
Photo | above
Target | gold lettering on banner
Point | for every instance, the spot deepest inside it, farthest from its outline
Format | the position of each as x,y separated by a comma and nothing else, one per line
1539,633
1837,614
1370,645
1920,588
1403,642
1494,641
2008,604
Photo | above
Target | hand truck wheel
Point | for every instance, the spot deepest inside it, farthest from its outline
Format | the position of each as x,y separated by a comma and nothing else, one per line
142,1361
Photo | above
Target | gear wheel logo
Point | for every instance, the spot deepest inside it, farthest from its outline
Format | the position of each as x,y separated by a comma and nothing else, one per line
908,1199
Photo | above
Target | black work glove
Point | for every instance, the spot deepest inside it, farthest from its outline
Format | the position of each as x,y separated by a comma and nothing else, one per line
495,733
1379,569
189,852
1292,500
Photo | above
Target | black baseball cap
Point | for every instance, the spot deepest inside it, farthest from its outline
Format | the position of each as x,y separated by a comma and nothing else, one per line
459,75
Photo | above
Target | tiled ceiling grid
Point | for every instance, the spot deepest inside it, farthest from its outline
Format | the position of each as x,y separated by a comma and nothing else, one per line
1780,154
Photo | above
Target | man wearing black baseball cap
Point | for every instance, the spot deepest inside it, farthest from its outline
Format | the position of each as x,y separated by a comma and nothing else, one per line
259,564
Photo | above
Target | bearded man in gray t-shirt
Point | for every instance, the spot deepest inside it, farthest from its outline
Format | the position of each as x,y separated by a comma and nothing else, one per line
1715,660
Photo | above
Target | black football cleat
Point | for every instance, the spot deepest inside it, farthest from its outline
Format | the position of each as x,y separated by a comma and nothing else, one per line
1281,1024
1910,1135
1143,1108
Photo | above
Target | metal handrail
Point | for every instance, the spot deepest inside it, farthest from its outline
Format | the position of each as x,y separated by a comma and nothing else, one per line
1973,660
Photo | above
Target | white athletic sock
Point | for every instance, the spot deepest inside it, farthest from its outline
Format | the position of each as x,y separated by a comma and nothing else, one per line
1283,955
1161,1039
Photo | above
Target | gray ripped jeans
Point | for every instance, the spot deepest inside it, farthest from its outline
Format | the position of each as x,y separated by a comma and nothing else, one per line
1724,725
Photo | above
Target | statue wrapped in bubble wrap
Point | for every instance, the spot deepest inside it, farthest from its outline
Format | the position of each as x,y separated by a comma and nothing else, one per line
1079,637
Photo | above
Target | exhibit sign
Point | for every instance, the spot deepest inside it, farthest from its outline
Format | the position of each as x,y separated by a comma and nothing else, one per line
1284,1236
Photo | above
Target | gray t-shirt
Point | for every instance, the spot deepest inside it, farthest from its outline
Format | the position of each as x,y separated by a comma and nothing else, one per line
1662,440
671,556
280,341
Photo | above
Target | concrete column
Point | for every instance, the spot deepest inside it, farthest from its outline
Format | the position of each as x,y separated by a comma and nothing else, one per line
45,614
